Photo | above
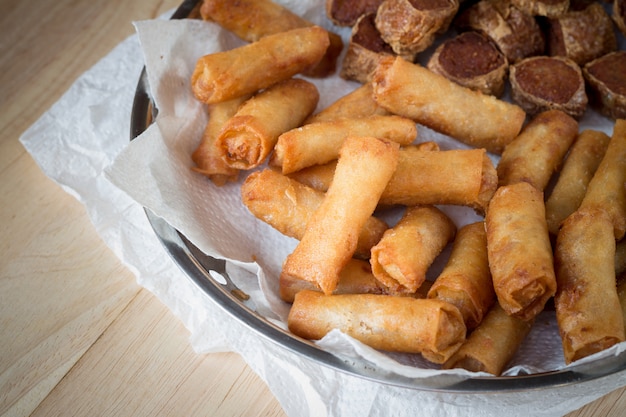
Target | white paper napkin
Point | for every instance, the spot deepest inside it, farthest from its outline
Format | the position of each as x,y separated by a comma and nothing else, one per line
88,129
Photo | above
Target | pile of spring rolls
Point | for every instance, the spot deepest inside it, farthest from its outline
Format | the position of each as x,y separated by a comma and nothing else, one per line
324,178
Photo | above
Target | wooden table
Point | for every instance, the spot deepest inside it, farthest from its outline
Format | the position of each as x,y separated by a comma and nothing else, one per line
78,336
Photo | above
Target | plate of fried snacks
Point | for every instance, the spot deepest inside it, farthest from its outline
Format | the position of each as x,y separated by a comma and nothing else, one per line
427,195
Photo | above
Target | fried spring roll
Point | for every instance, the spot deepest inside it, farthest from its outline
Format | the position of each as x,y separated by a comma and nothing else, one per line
539,149
578,169
355,278
245,70
402,324
207,156
479,120
606,189
358,103
465,280
364,167
492,344
463,177
319,143
588,311
251,20
519,250
405,252
320,176
426,176
247,138
288,205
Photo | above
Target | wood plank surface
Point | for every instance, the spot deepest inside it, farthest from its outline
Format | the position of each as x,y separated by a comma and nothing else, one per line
141,365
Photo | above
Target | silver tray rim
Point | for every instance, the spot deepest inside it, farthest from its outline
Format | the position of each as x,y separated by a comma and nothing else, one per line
197,266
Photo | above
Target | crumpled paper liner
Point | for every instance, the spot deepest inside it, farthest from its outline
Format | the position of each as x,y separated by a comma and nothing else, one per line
88,129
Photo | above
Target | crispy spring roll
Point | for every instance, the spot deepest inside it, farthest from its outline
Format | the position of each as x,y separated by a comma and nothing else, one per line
479,120
578,169
463,177
207,156
245,70
492,344
287,206
519,250
588,311
402,324
320,176
319,143
251,20
247,138
537,153
405,252
364,167
465,280
358,103
426,176
355,278
606,189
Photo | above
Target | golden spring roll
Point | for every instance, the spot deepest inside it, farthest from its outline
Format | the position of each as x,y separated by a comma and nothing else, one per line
476,119
519,250
578,169
320,176
405,252
537,153
251,20
465,280
207,156
401,324
245,70
287,206
319,143
587,306
606,189
247,138
491,346
357,103
465,177
355,278
364,167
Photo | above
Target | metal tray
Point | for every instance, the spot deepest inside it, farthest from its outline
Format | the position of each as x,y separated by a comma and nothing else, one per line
202,270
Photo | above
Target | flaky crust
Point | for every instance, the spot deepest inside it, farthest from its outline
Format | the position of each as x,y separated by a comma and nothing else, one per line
548,8
411,28
606,78
582,35
365,50
347,12
517,34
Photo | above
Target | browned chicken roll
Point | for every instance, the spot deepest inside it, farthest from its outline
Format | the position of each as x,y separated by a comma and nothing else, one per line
548,83
606,80
581,35
516,33
472,60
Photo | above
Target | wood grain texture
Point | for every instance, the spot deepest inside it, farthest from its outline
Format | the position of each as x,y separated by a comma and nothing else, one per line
139,367
78,336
